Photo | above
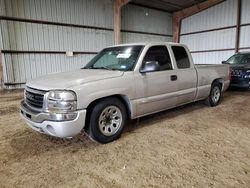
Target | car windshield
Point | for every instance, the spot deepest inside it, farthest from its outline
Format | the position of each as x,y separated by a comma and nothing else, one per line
239,59
122,58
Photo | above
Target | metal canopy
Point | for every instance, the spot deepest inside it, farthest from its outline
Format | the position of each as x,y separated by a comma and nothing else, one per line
167,5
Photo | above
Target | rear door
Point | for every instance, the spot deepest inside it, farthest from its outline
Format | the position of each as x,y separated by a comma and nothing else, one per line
186,75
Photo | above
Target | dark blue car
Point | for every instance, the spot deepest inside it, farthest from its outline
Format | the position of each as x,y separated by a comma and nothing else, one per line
240,70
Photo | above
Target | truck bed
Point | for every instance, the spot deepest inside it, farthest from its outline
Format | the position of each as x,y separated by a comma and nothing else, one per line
206,74
209,65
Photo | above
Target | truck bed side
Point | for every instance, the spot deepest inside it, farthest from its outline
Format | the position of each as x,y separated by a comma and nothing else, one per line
206,74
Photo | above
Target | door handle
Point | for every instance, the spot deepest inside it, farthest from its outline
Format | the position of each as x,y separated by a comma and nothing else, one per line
173,77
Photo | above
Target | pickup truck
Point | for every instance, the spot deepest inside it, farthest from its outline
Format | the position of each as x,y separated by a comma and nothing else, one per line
120,83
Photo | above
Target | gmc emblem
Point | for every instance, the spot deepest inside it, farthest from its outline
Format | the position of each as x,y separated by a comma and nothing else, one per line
29,96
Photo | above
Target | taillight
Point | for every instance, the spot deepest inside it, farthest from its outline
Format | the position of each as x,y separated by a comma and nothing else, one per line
229,73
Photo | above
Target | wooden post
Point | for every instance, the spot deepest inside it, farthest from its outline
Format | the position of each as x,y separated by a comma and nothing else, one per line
179,15
1,70
176,28
117,5
237,37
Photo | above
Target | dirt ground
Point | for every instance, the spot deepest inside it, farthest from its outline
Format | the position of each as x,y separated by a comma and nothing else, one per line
191,146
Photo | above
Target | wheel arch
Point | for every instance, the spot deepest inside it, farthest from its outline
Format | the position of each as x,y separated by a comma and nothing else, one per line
123,98
220,81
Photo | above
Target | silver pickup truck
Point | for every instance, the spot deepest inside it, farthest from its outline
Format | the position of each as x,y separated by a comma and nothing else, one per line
121,82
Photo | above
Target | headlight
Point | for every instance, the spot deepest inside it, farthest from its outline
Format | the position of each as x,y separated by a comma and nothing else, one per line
24,94
61,101
247,75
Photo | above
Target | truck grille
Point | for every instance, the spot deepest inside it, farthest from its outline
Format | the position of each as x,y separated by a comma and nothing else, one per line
237,73
34,98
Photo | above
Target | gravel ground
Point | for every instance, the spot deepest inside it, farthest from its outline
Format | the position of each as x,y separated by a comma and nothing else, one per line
190,146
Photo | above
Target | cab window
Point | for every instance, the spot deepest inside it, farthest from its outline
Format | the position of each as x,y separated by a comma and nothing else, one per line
181,57
160,55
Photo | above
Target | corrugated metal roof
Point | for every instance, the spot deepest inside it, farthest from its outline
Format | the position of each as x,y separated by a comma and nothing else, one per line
245,36
222,15
245,16
29,66
144,19
210,40
32,36
211,57
167,5
25,36
85,12
133,37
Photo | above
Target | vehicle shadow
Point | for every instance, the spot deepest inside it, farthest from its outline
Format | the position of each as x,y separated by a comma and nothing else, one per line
177,111
164,115
28,143
235,89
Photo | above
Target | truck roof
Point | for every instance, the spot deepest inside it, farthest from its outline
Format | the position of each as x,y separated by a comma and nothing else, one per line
248,52
144,44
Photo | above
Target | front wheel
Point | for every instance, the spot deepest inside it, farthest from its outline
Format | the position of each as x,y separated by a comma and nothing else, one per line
215,95
107,120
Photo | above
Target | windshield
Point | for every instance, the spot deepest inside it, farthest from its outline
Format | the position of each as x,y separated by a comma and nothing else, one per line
122,58
239,59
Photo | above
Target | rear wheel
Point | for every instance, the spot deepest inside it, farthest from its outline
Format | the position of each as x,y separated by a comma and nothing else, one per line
107,120
215,95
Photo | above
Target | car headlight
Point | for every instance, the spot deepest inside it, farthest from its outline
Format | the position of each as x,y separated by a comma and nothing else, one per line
60,101
247,75
24,94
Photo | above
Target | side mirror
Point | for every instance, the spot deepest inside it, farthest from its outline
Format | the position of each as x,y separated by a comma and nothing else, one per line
224,62
150,66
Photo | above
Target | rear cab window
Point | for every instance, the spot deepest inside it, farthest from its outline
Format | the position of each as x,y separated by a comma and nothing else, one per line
181,57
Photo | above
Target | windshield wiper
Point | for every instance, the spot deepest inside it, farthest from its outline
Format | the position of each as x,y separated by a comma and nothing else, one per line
103,67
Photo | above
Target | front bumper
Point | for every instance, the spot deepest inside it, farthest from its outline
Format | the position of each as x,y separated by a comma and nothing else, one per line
59,125
240,83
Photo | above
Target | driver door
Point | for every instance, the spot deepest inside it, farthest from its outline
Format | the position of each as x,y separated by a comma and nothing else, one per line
157,89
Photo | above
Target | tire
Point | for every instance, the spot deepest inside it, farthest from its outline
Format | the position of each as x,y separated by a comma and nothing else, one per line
107,120
215,95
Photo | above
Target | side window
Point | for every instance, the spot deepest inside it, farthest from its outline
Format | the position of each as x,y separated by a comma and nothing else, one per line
246,59
159,54
181,57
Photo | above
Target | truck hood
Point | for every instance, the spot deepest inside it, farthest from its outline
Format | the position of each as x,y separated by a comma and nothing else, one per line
241,66
67,80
